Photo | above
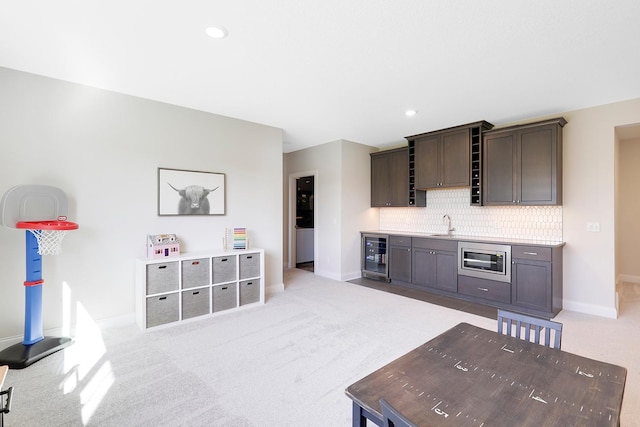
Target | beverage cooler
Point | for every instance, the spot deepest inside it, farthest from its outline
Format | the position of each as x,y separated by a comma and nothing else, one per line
374,256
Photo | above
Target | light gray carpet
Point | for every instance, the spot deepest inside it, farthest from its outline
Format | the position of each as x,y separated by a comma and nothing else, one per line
286,363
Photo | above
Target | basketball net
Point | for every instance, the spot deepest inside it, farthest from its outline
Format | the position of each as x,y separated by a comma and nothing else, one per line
49,241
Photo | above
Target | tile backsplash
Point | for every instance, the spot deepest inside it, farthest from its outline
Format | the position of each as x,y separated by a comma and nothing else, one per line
517,222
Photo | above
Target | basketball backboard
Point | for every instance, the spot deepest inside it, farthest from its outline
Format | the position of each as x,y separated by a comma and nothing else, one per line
32,203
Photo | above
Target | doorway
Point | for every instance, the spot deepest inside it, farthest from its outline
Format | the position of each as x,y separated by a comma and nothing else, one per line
305,223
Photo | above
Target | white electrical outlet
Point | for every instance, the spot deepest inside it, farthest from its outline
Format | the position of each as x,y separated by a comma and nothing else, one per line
593,226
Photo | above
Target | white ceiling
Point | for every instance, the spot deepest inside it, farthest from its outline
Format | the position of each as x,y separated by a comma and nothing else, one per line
339,69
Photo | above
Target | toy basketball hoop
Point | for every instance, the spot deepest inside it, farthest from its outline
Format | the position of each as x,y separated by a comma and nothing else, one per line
49,234
41,211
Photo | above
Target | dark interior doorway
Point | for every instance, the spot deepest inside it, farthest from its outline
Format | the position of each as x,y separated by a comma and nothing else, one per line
304,223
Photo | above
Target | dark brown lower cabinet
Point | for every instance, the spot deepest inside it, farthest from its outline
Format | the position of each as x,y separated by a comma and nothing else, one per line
434,264
400,263
536,278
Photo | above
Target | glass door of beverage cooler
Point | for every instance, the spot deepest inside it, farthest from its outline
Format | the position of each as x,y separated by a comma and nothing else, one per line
374,256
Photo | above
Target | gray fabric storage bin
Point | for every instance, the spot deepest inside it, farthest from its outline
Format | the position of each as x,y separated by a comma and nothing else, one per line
162,309
225,297
249,291
195,302
195,272
249,265
162,277
224,269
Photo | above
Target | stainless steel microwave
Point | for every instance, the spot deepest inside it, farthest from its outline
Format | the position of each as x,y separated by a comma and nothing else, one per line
485,260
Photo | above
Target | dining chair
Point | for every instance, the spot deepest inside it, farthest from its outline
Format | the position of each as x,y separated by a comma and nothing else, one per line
514,324
392,418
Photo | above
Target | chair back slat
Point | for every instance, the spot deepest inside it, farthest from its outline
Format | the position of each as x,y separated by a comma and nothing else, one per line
541,327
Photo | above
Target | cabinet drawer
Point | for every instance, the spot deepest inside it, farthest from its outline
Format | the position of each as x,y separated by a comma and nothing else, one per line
399,241
162,309
195,272
162,277
487,289
195,302
225,297
224,269
249,291
537,253
436,244
249,265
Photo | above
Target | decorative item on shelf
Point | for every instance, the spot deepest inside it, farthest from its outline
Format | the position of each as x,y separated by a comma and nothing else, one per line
162,246
236,238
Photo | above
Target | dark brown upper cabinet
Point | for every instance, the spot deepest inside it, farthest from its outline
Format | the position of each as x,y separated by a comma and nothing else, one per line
522,165
390,178
443,157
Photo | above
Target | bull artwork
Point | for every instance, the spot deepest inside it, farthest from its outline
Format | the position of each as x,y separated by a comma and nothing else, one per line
193,200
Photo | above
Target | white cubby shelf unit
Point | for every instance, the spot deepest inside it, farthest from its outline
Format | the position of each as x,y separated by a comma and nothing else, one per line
196,285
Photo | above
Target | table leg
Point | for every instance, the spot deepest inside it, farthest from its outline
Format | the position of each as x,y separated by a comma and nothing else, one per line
359,420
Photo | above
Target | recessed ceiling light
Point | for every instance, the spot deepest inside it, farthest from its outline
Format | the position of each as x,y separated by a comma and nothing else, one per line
410,113
217,31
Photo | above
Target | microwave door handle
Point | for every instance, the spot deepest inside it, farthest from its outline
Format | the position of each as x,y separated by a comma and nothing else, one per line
479,260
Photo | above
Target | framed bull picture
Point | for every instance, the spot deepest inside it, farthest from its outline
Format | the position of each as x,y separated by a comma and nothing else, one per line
184,192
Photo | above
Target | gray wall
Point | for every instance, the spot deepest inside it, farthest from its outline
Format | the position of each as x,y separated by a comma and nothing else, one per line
341,201
103,150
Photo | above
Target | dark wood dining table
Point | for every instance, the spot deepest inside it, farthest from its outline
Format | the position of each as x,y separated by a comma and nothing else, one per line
469,376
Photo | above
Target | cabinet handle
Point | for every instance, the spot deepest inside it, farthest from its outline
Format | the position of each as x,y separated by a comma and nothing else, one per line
195,263
162,298
224,260
483,289
249,283
162,266
531,253
249,256
195,293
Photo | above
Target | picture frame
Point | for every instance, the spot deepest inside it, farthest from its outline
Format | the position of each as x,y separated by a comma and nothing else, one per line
187,192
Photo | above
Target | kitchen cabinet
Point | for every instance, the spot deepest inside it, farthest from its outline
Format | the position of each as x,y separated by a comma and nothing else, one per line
390,178
434,263
400,258
522,165
443,160
536,279
443,157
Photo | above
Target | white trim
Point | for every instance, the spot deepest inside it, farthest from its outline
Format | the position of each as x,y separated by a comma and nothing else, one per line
628,278
596,310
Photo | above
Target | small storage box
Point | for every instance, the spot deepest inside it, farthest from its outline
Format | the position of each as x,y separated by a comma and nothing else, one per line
162,309
195,302
224,269
249,291
225,297
249,265
162,277
195,272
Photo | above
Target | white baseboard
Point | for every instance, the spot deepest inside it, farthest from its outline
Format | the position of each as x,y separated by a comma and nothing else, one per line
596,310
351,276
628,278
112,322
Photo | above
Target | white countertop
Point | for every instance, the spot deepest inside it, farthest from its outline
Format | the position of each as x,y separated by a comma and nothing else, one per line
461,237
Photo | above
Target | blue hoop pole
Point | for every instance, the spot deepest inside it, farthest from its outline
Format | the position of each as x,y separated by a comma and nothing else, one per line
33,292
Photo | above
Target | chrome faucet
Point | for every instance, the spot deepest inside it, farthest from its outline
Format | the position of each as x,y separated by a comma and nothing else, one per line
446,219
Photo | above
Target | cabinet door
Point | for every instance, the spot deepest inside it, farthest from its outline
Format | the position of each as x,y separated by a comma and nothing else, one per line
498,175
427,162
446,272
538,160
390,178
455,159
422,267
400,263
379,181
531,284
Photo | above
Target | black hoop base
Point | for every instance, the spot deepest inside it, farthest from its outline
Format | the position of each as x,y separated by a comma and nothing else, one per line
19,356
